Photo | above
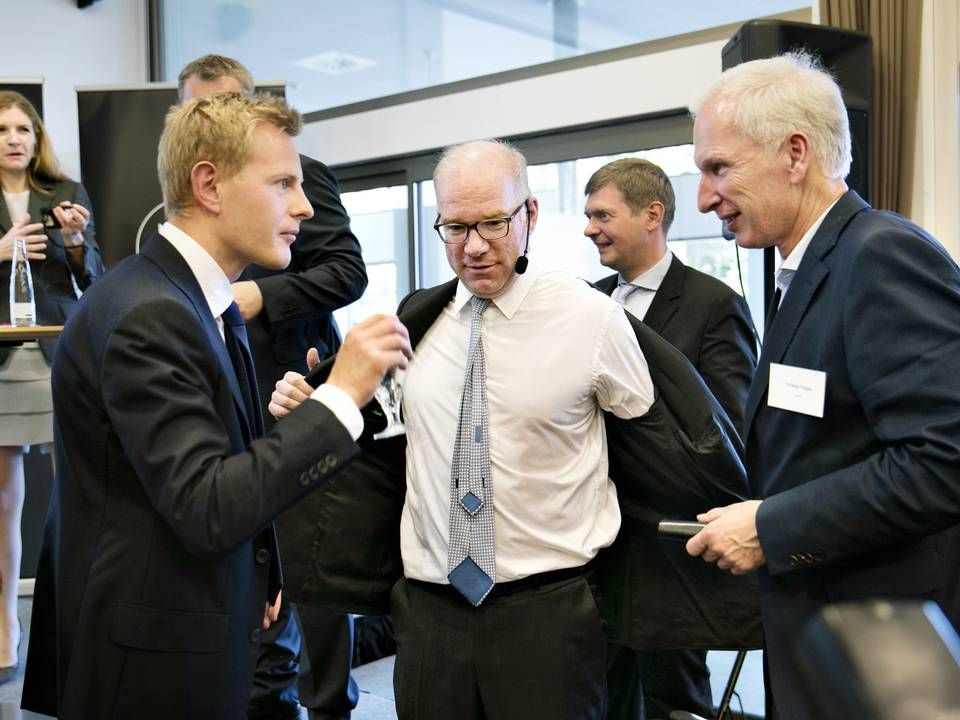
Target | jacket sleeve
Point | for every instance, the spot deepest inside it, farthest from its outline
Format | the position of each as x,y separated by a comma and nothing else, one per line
92,261
175,421
728,355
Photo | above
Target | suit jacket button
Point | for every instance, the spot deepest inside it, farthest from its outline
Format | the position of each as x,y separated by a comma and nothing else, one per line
255,635
262,556
314,473
328,462
794,561
304,479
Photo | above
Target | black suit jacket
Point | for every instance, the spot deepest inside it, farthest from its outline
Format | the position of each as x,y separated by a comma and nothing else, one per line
53,290
341,546
863,502
710,324
158,552
326,272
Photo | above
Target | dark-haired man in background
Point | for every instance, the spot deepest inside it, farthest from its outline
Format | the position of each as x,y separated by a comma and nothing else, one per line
630,206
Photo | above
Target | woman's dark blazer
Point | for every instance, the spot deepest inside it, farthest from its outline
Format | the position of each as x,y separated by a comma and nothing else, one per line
53,289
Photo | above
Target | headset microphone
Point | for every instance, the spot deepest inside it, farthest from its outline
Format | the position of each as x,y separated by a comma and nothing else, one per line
521,265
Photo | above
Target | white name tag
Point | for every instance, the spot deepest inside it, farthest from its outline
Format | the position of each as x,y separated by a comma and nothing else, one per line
797,389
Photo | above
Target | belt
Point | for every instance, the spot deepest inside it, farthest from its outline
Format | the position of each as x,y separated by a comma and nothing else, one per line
502,589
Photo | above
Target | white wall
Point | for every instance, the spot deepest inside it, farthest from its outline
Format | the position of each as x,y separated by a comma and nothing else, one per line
644,84
103,44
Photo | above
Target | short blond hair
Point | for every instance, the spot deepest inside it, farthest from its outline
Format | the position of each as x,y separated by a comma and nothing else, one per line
216,128
213,67
773,97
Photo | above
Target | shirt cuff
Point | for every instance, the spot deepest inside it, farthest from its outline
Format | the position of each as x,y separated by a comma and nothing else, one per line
341,405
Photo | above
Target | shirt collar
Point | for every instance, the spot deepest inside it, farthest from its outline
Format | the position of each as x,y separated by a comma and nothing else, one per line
212,280
792,261
652,278
508,302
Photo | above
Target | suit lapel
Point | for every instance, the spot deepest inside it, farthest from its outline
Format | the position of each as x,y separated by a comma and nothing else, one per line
162,253
810,275
5,220
421,309
38,201
667,298
608,284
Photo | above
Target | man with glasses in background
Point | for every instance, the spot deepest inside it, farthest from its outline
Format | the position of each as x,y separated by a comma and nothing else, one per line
504,624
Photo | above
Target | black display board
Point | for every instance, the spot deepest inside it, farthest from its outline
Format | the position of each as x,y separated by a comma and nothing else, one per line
120,129
32,90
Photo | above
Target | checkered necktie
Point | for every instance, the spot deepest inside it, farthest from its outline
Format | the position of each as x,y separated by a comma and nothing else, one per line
471,562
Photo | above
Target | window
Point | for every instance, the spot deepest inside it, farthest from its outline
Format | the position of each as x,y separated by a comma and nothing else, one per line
378,217
336,53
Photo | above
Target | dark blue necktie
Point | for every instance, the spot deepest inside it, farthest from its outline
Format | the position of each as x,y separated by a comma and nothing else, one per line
235,336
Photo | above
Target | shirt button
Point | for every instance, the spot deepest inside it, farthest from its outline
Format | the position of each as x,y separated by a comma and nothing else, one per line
255,635
262,556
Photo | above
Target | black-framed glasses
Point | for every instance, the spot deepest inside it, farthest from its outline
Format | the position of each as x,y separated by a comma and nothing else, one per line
491,229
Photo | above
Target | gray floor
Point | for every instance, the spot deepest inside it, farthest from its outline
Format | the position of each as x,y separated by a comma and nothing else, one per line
376,683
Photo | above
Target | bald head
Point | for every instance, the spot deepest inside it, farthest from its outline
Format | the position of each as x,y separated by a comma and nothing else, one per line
487,156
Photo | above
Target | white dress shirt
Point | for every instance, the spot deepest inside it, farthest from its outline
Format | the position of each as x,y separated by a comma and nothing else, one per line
637,295
216,289
557,353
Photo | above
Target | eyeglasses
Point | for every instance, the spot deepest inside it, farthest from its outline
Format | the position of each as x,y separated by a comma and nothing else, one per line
492,229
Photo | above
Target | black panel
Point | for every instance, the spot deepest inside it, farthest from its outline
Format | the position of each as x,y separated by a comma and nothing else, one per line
32,91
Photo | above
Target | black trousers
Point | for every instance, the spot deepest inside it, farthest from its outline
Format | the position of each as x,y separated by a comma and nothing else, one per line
650,684
537,652
305,659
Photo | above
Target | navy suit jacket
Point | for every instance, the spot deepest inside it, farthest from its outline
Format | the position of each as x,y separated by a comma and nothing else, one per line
159,552
865,501
710,324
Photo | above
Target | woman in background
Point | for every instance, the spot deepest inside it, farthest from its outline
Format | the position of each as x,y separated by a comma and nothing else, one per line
63,263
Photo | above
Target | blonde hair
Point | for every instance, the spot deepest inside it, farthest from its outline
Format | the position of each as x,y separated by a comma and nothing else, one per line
213,67
43,164
215,128
771,98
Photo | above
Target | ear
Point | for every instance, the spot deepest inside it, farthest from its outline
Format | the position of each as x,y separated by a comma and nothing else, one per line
799,155
653,215
533,211
205,183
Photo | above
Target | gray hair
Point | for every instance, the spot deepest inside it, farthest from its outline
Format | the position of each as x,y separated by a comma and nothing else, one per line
769,99
466,152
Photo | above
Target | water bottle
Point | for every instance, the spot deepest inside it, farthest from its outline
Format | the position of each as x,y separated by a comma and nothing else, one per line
23,311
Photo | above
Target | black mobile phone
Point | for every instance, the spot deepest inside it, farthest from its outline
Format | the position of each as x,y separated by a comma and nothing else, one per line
48,219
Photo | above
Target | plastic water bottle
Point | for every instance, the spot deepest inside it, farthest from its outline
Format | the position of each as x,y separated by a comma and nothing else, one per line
23,310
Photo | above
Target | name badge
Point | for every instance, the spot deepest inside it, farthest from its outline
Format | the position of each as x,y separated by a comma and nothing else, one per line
797,389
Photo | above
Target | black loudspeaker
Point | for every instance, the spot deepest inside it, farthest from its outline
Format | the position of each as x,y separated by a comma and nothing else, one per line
845,53
880,660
